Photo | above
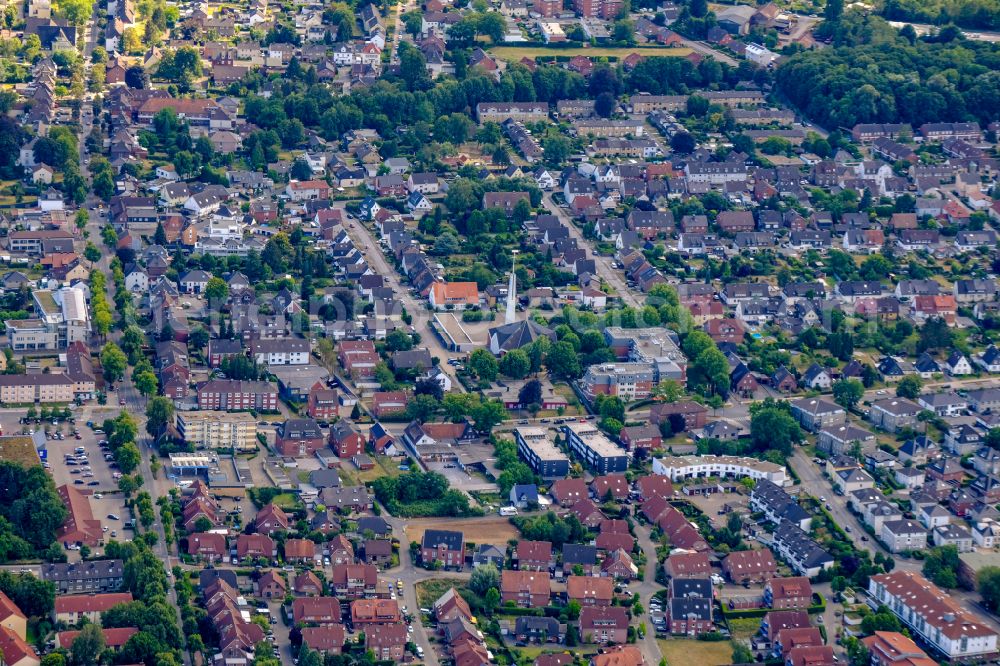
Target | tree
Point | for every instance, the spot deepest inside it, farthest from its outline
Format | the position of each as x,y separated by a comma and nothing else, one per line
484,365
483,578
833,10
683,143
941,566
136,77
113,362
145,382
91,253
555,149
605,104
216,290
488,414
127,457
668,390
935,334
848,392
35,597
430,387
491,600
698,8
422,407
159,414
398,340
530,393
876,267
88,645
881,620
988,581
515,364
76,12
772,427
742,654
909,387
563,361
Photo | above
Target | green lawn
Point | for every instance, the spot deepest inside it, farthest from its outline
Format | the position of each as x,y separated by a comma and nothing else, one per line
687,652
744,627
515,53
287,501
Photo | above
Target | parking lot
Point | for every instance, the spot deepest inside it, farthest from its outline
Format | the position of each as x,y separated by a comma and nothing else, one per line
95,475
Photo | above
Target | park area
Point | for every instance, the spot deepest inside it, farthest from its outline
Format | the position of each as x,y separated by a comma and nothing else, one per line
496,530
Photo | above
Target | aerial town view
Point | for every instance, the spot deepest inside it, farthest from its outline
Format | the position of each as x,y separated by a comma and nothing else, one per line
499,332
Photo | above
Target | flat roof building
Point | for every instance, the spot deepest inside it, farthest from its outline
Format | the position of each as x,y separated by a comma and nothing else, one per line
597,451
541,453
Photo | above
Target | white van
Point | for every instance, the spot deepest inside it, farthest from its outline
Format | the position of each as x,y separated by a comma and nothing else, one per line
508,511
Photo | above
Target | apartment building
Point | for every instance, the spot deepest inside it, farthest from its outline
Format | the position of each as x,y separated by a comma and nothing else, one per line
29,389
678,468
61,318
933,614
232,395
212,430
85,577
540,452
593,446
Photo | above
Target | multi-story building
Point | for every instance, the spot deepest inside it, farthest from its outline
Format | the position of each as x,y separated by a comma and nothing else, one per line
602,9
525,112
29,389
690,606
628,381
39,242
603,624
932,614
234,395
541,453
801,552
891,648
678,468
446,546
355,581
527,589
894,414
280,351
71,608
61,318
85,577
212,430
299,437
784,593
593,446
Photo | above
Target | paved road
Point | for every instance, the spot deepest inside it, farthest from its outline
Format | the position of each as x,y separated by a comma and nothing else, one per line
365,240
814,483
603,264
410,573
706,50
646,588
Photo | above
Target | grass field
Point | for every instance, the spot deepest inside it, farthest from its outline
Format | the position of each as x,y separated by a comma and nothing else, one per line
689,652
515,53
383,467
488,529
429,591
744,627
